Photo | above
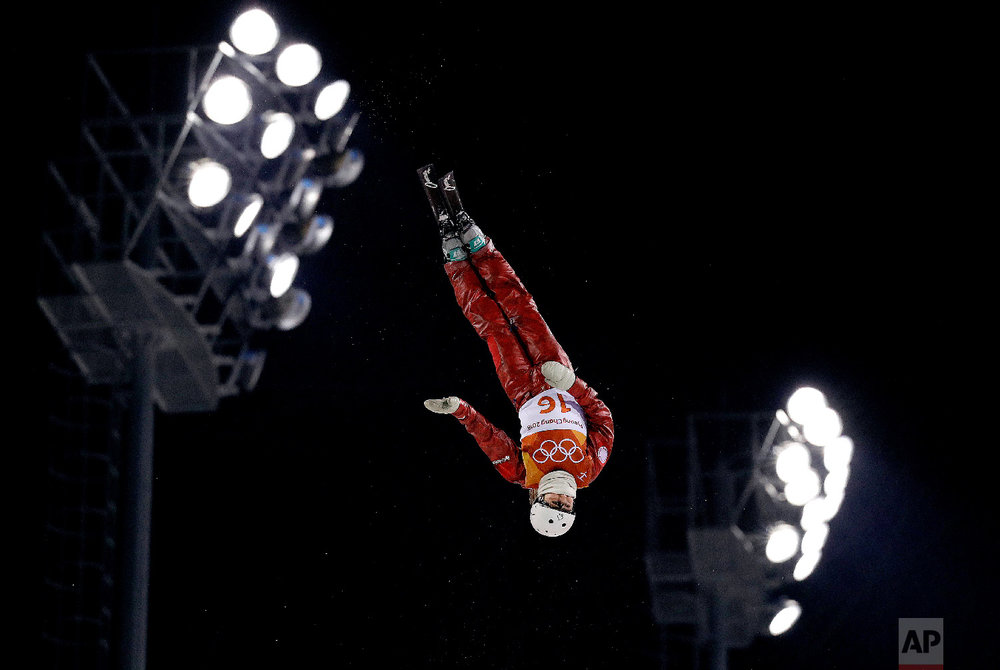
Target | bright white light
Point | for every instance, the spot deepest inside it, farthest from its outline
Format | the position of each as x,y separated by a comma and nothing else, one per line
836,481
227,100
822,427
277,134
782,543
804,402
210,182
803,488
785,618
834,499
248,215
805,565
283,271
331,99
792,460
254,32
815,538
814,512
837,454
298,64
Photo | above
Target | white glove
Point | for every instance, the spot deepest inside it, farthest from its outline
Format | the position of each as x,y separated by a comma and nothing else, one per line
558,375
442,405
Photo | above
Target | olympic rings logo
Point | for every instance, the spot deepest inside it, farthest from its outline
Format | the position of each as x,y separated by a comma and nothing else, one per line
558,453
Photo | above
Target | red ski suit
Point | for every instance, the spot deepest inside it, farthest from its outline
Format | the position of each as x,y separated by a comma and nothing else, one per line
504,314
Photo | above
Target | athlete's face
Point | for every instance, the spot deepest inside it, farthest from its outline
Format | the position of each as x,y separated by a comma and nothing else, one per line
559,501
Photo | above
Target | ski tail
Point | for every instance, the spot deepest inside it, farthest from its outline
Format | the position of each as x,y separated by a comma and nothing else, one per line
439,206
449,189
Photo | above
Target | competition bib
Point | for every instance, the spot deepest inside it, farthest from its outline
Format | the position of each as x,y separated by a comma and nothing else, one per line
552,409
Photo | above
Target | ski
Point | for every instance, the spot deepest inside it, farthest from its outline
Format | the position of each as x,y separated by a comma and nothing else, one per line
449,189
439,207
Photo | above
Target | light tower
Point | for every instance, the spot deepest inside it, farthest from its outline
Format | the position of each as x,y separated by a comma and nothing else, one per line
183,222
748,518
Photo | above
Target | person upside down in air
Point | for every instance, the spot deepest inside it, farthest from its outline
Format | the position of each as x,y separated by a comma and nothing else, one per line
566,430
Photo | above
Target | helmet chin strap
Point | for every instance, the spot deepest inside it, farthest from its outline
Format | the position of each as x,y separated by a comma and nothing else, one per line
559,482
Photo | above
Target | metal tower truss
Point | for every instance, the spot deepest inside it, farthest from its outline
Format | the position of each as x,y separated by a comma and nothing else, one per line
136,256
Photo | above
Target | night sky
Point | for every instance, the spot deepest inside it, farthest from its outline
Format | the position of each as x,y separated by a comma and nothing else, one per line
710,211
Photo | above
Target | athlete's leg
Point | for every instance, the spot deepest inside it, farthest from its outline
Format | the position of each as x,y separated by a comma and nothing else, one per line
518,375
499,277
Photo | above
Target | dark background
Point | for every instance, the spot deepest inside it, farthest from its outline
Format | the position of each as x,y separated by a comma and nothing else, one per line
710,210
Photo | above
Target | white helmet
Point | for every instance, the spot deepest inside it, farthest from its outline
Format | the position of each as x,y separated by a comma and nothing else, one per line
546,519
550,521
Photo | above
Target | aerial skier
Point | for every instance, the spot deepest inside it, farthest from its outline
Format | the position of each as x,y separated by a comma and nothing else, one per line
566,431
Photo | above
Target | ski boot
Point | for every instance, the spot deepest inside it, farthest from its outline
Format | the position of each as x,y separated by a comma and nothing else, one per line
451,243
470,234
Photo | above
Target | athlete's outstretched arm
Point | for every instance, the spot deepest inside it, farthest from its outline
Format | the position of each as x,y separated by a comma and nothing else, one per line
503,452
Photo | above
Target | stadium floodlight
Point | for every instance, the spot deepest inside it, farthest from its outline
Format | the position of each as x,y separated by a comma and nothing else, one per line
282,269
305,197
836,480
210,182
833,499
346,169
284,313
782,543
298,64
805,402
227,100
279,128
788,613
248,215
814,512
311,235
814,538
803,488
791,460
838,453
822,427
806,565
292,309
331,99
259,243
254,32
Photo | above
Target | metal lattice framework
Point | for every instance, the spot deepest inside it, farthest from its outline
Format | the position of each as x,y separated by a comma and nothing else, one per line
160,298
726,546
138,256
